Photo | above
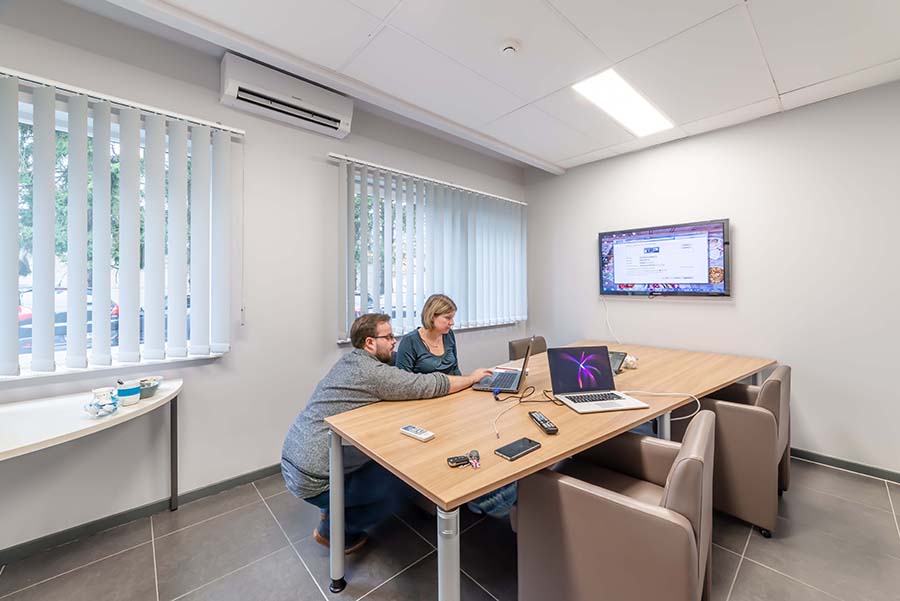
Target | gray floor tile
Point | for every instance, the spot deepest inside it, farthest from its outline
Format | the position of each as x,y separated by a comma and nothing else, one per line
72,555
391,548
838,567
861,524
420,582
488,554
855,487
756,583
724,566
730,532
271,485
895,497
426,524
278,577
297,517
195,556
127,576
202,509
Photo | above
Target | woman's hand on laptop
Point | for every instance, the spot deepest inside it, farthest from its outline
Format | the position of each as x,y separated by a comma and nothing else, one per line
458,383
479,374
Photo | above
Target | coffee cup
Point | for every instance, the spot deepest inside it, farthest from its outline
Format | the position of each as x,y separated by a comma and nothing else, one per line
104,395
129,392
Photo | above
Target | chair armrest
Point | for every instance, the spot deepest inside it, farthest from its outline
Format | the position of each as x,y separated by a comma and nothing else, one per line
748,425
745,394
575,539
642,457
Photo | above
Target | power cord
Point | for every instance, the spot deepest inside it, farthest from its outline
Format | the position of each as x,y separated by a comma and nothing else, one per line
524,397
609,325
674,419
527,392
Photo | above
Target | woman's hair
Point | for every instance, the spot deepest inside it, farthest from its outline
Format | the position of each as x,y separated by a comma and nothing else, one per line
437,304
366,326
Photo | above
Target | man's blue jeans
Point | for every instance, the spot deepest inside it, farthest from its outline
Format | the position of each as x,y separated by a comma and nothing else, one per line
371,495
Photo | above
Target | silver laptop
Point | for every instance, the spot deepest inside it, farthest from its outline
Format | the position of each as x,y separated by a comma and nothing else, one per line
506,380
582,378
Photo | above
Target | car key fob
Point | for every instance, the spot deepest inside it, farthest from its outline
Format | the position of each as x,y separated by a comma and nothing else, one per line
458,461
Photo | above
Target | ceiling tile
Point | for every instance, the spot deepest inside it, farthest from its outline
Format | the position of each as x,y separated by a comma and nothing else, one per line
290,26
808,41
379,8
842,85
621,29
740,115
538,133
552,53
401,66
581,114
712,68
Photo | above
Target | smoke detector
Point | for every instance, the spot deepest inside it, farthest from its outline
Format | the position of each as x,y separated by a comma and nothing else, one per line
510,47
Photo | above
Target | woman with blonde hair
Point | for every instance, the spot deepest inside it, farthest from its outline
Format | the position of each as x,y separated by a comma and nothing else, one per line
432,347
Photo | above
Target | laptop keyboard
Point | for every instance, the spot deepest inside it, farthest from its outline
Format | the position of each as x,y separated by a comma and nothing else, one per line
593,397
504,379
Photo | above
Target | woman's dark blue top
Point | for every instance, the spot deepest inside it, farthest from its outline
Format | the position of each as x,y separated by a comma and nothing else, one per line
413,355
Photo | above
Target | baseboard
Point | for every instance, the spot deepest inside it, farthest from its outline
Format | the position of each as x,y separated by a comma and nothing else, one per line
11,554
843,464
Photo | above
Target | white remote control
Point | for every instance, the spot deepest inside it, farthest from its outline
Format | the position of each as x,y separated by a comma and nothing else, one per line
417,433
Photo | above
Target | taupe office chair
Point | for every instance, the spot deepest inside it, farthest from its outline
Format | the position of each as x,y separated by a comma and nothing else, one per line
630,520
518,347
753,448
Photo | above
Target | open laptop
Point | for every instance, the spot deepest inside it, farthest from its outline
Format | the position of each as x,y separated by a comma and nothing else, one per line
582,378
506,380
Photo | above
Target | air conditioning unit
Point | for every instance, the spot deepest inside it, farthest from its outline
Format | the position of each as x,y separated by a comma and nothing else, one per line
254,88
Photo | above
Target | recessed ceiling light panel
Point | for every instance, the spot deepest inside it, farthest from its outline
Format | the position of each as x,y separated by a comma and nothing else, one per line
623,103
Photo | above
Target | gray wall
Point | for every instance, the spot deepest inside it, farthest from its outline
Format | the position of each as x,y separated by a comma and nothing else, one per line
812,195
234,411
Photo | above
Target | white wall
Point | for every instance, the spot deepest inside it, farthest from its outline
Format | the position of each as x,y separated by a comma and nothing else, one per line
233,412
814,201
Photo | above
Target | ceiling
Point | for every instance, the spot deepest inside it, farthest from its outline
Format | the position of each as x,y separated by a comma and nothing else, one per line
706,64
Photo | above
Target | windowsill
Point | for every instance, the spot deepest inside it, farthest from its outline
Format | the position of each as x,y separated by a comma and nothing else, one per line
64,374
346,341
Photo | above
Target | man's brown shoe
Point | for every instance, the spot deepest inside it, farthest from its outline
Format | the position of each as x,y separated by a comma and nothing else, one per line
350,546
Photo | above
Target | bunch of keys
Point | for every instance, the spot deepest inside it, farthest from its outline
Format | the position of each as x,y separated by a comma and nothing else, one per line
473,459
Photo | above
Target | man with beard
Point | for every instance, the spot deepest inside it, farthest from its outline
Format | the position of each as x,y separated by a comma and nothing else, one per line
360,377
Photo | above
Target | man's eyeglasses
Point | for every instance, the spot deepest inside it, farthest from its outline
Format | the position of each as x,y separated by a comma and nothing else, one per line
387,337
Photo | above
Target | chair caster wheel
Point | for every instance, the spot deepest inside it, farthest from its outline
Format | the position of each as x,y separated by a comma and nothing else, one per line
765,533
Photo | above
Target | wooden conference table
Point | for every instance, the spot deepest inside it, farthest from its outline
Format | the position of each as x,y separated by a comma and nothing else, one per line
464,421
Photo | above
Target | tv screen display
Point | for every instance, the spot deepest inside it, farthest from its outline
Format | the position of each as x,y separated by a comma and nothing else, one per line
689,259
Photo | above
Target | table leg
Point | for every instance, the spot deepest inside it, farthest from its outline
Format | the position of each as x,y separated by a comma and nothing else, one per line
665,426
448,555
336,512
756,379
173,453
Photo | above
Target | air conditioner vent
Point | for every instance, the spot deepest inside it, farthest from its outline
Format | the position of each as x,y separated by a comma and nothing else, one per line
291,110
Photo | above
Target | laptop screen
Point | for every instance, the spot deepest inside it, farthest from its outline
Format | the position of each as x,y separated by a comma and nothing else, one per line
580,369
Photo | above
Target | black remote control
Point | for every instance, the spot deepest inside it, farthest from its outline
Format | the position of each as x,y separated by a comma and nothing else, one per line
541,420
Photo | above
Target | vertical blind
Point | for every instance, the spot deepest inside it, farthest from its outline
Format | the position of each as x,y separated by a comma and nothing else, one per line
409,237
114,231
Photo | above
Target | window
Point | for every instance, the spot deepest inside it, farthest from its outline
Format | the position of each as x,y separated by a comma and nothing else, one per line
114,226
409,237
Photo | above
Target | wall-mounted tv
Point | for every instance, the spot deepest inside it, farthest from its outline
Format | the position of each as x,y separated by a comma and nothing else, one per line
685,259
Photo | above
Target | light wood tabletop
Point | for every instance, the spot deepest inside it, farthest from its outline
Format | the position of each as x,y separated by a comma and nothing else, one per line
464,421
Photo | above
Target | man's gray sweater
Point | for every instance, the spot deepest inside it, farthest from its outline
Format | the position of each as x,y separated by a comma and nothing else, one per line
357,379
